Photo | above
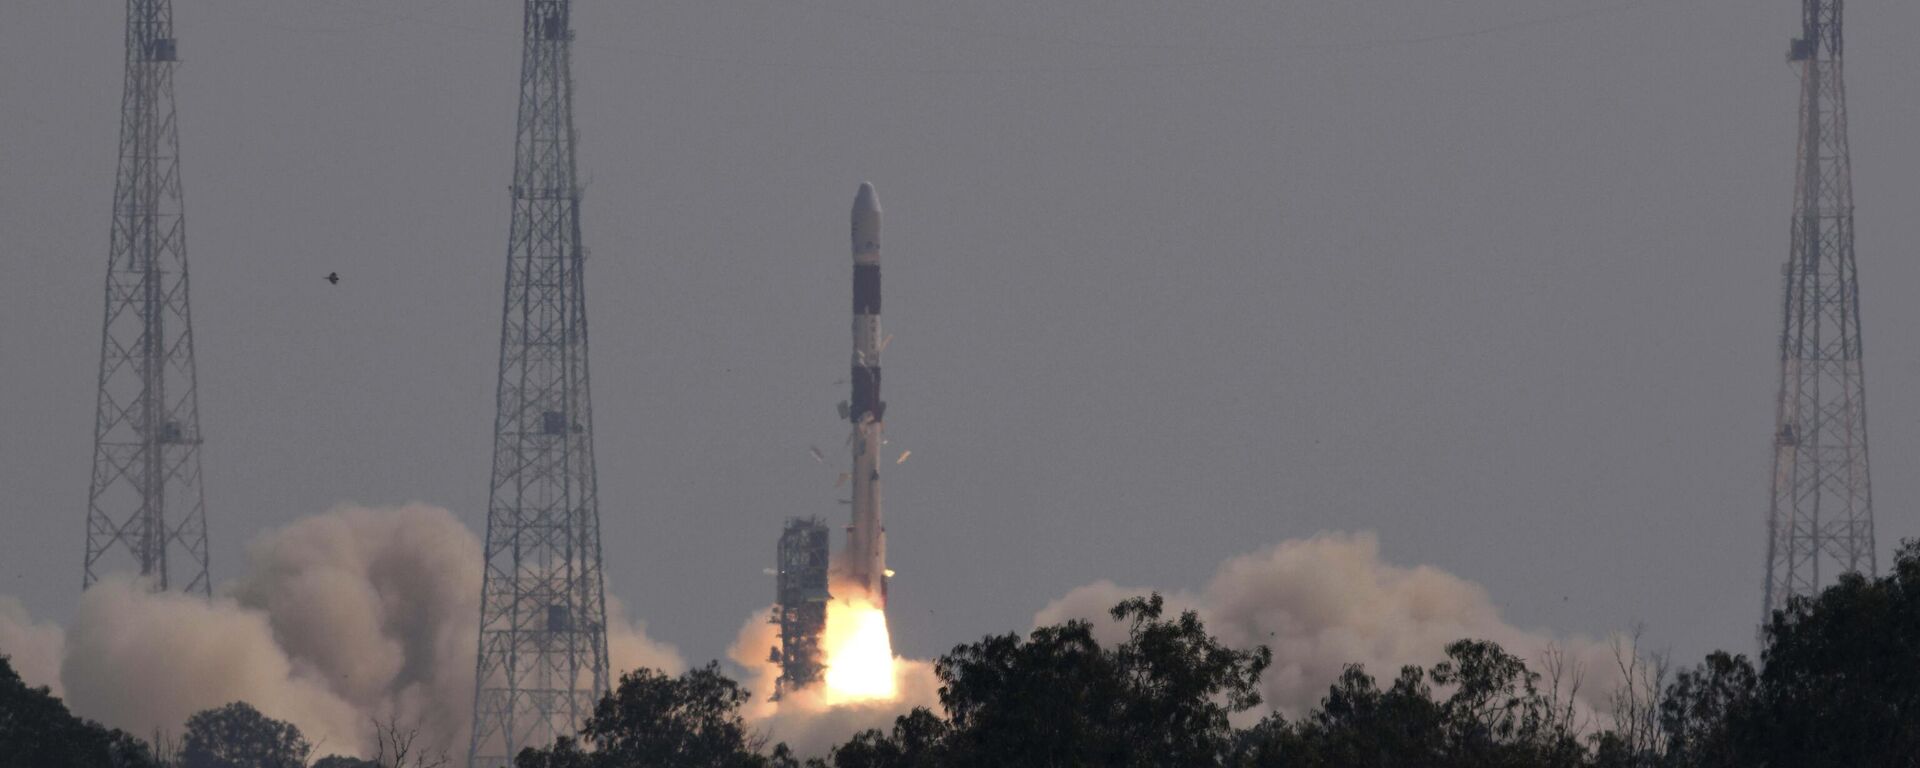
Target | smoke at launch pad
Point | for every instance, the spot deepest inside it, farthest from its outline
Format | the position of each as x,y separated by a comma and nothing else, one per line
360,613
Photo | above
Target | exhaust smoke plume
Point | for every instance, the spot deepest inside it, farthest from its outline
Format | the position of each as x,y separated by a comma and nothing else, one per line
1328,601
370,613
35,647
340,618
1319,603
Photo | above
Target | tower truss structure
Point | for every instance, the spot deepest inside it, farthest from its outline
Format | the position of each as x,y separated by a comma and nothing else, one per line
1820,521
144,502
543,647
800,606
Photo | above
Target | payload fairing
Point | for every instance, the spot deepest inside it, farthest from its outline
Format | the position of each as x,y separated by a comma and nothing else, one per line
866,555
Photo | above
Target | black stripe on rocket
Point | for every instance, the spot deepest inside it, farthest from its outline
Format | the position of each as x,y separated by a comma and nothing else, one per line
866,374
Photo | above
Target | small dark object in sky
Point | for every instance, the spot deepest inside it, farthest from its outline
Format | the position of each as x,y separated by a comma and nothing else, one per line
333,277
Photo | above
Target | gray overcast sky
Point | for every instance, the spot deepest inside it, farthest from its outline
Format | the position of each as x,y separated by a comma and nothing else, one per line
1169,281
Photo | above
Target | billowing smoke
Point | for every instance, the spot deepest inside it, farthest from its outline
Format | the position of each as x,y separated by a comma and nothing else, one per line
340,619
35,647
144,662
1328,601
365,613
1319,603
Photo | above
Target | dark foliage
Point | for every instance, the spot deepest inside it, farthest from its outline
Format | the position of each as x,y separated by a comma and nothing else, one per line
1839,687
37,730
1058,698
238,736
1495,717
337,761
655,720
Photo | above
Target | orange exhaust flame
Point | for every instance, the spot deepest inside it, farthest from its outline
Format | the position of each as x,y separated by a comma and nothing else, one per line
858,653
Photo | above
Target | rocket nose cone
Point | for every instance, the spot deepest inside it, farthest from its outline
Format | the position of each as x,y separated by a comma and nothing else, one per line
866,225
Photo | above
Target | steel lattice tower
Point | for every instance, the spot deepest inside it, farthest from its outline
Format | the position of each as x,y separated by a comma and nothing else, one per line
145,497
543,645
1820,522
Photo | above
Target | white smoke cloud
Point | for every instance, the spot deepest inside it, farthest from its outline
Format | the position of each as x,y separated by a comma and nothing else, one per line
1328,601
144,662
33,646
372,613
341,618
1319,603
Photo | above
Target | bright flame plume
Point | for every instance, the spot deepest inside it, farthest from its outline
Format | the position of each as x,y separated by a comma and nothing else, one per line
859,653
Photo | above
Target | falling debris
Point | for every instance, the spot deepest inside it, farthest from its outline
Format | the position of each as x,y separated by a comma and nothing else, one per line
903,457
817,455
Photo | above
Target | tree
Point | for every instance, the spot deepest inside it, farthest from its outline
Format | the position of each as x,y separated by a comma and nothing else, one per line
341,761
238,736
400,747
37,730
1636,739
396,746
1838,684
565,753
651,719
1706,710
1058,698
1356,726
1496,716
916,742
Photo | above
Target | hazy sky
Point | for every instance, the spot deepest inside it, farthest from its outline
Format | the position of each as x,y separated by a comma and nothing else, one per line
1169,281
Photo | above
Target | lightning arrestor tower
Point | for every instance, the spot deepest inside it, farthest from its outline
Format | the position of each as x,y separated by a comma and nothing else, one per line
1820,521
543,647
145,499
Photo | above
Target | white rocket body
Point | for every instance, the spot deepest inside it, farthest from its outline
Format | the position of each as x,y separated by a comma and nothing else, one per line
866,555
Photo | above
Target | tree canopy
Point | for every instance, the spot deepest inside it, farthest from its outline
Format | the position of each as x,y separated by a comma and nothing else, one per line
1837,686
37,730
238,736
653,719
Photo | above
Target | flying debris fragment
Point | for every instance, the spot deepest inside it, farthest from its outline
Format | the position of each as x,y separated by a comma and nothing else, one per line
903,457
817,455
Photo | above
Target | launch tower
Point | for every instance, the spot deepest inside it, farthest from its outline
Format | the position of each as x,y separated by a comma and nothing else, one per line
801,607
145,499
1820,521
543,646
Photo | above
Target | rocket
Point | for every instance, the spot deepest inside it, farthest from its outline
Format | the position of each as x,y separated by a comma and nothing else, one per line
866,556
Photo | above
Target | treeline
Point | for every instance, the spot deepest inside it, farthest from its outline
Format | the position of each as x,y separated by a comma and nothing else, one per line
37,731
1838,686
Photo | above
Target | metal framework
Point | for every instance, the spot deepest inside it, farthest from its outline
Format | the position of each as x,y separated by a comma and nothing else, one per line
145,499
1820,522
543,646
801,604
